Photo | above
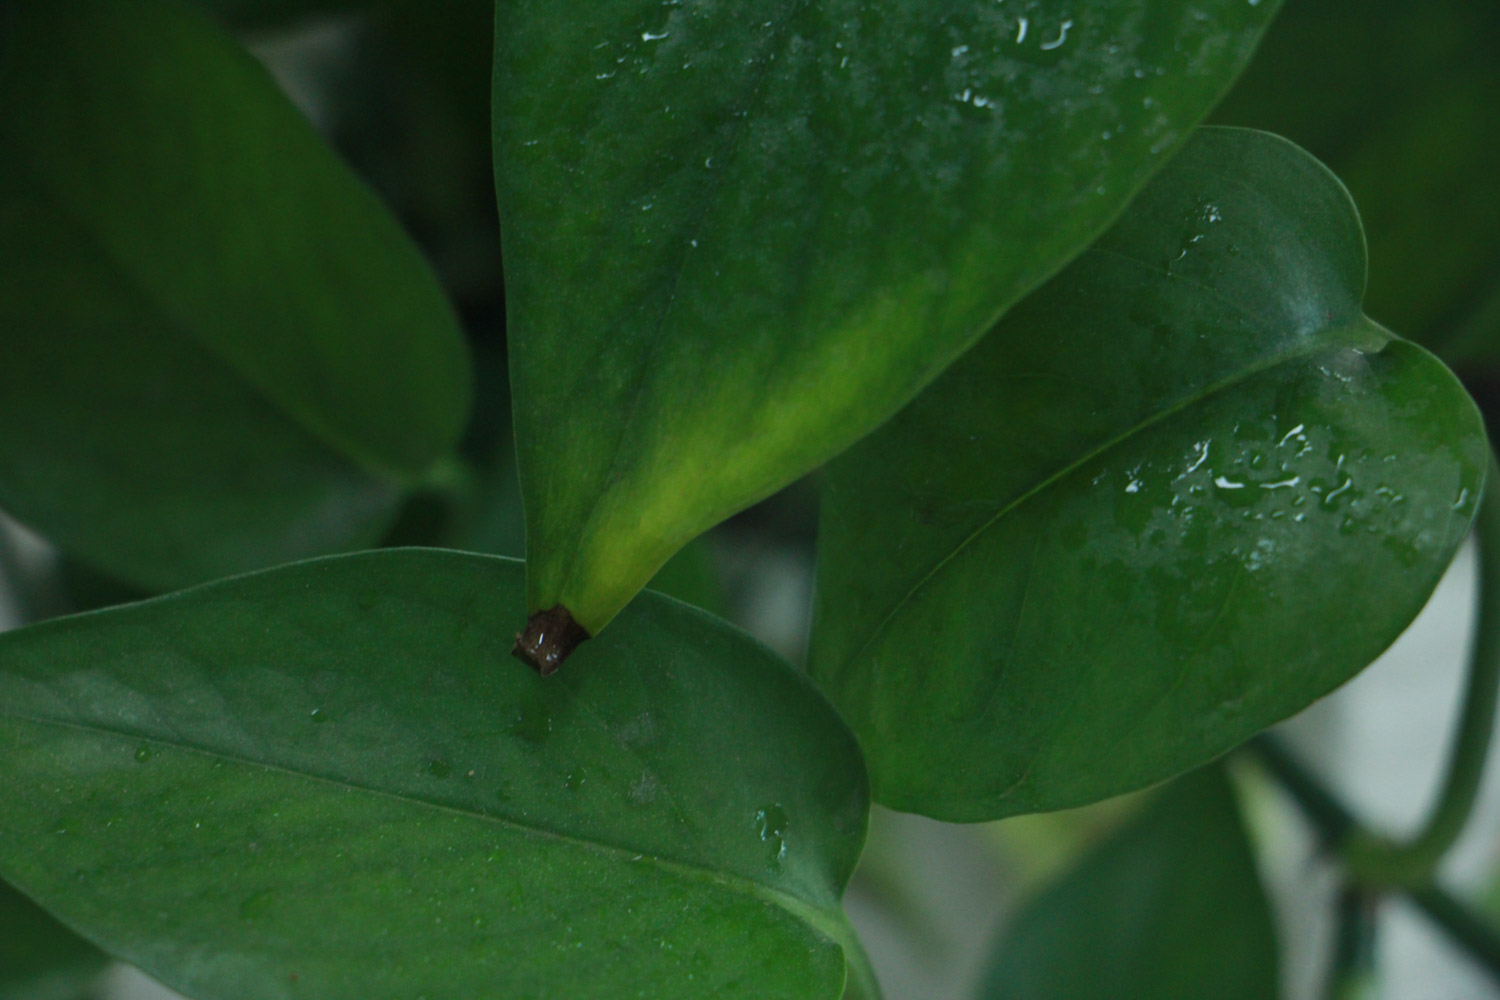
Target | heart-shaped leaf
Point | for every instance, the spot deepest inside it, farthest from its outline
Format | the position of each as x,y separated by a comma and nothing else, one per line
1169,908
737,238
330,780
1177,495
220,352
39,958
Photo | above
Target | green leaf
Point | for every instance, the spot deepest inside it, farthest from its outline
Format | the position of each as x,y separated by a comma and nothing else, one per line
1402,109
1178,494
737,239
1170,908
331,780
220,351
39,958
482,512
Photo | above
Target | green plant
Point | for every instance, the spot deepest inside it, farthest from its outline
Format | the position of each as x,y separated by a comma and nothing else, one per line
1109,441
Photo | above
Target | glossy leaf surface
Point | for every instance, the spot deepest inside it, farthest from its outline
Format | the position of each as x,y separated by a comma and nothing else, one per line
1169,908
736,239
331,780
1178,494
220,351
39,958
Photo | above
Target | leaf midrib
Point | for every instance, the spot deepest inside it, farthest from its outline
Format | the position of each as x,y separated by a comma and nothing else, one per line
700,215
1307,346
825,921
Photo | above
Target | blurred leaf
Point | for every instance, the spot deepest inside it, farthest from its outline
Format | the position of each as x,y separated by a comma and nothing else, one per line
1040,846
692,575
1400,99
220,352
738,239
264,14
331,779
41,959
1170,908
413,117
1119,538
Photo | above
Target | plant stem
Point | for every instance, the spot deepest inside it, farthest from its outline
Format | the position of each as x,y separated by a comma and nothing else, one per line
1333,821
1476,935
1413,862
1336,825
1352,974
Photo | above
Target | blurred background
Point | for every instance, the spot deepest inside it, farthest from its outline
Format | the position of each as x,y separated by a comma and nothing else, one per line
1400,97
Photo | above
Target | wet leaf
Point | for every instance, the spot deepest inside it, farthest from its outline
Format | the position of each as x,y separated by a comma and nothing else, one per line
1169,908
220,351
332,780
738,238
1178,494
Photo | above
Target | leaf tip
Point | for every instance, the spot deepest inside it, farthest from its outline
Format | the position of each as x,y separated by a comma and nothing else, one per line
548,639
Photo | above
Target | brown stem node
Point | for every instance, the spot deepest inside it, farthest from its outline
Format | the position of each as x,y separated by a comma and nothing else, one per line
548,639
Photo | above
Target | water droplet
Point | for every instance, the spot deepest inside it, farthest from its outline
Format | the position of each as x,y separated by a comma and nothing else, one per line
318,715
647,36
1200,455
532,724
1062,36
643,789
574,780
144,753
771,824
1021,31
1330,499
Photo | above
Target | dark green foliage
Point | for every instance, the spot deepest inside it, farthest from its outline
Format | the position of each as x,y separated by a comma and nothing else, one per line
736,239
332,775
1169,908
1114,535
41,959
220,352
1140,478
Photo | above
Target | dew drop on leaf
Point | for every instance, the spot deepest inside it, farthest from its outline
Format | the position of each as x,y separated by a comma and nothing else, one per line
771,824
